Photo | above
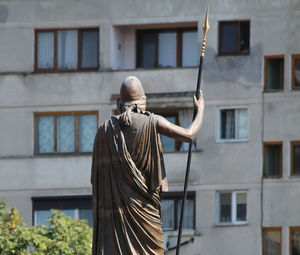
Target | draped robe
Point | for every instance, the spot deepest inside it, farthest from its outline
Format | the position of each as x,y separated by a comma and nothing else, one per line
128,176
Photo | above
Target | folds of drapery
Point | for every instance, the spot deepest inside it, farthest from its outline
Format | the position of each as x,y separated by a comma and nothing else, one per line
126,190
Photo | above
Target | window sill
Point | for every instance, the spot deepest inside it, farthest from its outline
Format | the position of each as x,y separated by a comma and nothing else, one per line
41,71
233,54
172,152
185,233
242,224
232,140
72,154
273,90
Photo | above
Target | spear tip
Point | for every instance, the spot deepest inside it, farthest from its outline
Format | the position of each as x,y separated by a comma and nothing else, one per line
206,26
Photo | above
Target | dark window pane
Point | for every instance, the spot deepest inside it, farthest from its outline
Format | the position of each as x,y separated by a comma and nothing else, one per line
225,208
275,73
168,144
272,243
244,36
86,214
296,159
146,53
295,242
89,48
229,33
241,207
297,72
273,160
227,124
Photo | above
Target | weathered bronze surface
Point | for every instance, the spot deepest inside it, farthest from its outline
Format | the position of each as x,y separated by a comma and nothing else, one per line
128,175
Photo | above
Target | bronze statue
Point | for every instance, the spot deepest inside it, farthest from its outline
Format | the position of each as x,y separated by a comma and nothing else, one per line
128,175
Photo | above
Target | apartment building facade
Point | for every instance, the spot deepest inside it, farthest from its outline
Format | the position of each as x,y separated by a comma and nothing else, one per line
61,67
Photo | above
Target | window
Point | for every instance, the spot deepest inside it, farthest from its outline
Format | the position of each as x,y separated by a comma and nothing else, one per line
296,71
65,132
272,159
167,48
294,240
295,158
171,208
274,70
234,37
232,207
233,124
271,241
77,207
66,49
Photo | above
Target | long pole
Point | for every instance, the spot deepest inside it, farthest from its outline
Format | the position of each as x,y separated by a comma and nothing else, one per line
205,28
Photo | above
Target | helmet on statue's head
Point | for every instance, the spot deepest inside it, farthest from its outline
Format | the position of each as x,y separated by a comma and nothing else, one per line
131,91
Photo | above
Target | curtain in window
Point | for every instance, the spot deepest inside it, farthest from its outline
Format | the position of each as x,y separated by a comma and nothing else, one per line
272,243
295,242
87,131
167,211
225,207
45,134
66,133
185,119
188,217
242,124
168,144
45,41
241,207
189,48
89,49
67,49
167,47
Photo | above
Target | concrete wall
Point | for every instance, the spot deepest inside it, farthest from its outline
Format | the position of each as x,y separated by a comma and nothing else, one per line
228,81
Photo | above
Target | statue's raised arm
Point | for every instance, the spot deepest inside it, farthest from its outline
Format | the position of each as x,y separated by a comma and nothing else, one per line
179,133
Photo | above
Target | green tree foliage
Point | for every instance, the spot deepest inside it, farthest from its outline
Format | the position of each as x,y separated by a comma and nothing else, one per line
64,236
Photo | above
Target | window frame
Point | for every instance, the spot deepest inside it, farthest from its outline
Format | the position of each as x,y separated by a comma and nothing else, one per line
177,197
55,115
270,229
234,221
294,56
266,59
292,158
238,51
55,68
178,30
218,131
265,144
290,237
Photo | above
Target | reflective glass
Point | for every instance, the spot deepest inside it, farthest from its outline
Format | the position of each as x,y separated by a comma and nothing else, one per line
87,131
66,133
45,134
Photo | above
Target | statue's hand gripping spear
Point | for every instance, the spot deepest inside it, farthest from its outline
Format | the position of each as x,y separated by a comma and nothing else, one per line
205,28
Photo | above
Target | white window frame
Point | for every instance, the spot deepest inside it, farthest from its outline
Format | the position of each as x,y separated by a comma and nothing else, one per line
234,220
218,127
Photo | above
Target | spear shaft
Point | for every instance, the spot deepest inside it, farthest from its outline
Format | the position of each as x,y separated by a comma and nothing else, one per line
205,28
